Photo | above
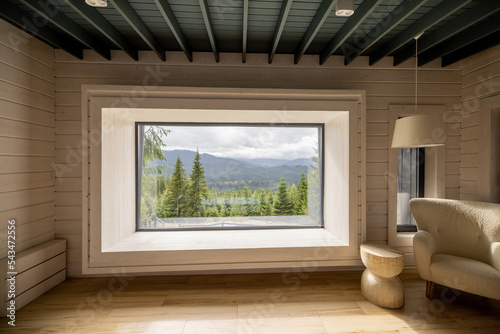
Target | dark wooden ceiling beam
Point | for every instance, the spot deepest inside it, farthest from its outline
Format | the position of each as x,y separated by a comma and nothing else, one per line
95,18
205,11
51,13
245,31
455,26
130,15
280,25
471,35
173,24
360,14
398,15
14,15
471,49
321,14
438,13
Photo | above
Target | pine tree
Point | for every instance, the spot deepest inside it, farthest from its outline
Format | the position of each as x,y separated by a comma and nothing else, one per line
250,204
223,211
148,179
145,213
237,205
270,200
175,201
293,193
197,189
314,188
283,205
160,204
265,206
161,185
300,202
153,142
211,211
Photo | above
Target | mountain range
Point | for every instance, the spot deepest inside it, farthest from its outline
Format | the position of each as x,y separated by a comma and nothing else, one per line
231,173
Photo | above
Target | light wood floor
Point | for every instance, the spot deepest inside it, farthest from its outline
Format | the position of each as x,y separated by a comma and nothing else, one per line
247,304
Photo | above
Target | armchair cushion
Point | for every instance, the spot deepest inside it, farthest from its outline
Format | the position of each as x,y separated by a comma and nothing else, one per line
466,275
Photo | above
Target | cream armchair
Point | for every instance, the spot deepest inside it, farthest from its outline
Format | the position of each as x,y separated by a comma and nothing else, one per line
458,244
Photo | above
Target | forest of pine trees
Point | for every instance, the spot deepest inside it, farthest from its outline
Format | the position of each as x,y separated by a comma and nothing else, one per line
178,195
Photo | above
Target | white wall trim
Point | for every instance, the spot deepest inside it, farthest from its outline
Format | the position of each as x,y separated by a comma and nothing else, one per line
488,182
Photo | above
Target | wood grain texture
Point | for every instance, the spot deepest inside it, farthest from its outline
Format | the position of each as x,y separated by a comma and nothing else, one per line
382,260
480,82
387,292
293,302
27,138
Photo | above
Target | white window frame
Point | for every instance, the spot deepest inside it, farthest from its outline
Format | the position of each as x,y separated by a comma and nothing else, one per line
488,165
110,241
435,164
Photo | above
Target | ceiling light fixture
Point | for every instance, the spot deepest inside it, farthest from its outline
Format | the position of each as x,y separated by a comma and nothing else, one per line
344,8
97,3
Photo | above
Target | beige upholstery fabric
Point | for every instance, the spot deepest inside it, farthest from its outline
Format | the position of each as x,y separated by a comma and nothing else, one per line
458,244
466,275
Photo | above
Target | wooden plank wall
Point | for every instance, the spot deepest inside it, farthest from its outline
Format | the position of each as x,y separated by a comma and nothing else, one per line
27,138
384,85
480,79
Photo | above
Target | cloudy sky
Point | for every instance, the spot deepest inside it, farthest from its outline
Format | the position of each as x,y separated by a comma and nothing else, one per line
245,141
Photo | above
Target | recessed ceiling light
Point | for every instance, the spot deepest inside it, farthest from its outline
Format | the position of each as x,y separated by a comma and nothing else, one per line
344,8
97,3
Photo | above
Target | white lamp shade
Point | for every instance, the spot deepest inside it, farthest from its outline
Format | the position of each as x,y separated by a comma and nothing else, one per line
418,131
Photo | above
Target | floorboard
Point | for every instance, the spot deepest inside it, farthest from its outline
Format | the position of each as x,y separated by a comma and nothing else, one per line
300,302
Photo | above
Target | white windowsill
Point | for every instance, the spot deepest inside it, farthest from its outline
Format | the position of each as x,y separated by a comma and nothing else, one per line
406,234
226,240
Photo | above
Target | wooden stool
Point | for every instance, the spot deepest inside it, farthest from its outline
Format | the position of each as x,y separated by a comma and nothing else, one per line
379,282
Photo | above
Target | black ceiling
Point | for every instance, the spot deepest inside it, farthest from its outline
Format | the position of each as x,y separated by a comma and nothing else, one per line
453,29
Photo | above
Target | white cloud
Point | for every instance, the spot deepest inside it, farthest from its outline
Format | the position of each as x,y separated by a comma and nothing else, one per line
245,141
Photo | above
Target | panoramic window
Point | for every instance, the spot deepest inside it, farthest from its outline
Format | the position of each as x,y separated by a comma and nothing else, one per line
411,180
206,176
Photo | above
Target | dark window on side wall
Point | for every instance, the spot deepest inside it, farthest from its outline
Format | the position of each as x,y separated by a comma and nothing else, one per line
411,181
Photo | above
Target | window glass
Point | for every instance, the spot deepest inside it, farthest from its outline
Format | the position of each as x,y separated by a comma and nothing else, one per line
411,174
229,176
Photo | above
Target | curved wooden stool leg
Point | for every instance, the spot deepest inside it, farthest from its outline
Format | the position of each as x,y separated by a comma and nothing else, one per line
387,292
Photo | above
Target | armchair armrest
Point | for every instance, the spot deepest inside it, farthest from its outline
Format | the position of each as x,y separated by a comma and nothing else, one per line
495,255
424,247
